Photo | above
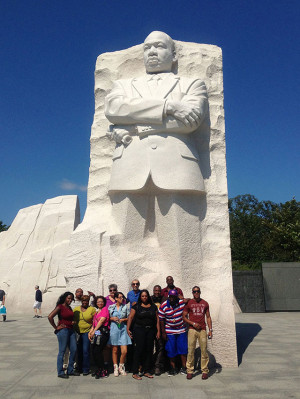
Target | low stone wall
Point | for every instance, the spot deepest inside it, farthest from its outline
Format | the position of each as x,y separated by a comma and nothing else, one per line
281,286
248,290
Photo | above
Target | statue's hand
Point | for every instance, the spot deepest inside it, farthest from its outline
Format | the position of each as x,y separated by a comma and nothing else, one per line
186,113
120,135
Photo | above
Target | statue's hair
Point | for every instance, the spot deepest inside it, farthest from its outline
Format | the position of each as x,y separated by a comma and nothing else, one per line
170,40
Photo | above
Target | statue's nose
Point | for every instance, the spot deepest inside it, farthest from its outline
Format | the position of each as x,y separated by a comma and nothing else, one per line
152,50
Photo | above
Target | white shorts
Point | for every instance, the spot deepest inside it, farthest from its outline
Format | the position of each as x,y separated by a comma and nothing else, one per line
37,305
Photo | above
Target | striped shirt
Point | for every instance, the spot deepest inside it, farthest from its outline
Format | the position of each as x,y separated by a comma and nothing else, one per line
172,317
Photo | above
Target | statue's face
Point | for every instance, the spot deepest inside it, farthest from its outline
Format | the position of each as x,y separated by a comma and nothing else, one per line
158,53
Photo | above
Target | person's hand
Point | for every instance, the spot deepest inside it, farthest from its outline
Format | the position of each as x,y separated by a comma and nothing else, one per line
129,333
60,327
164,336
196,326
209,335
116,319
188,114
91,335
158,335
91,293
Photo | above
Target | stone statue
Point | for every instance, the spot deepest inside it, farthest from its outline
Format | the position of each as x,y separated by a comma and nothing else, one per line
157,195
152,118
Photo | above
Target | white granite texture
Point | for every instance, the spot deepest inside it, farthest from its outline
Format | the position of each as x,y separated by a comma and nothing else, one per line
33,251
113,243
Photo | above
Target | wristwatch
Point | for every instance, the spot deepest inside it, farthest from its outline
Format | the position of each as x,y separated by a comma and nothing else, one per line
211,329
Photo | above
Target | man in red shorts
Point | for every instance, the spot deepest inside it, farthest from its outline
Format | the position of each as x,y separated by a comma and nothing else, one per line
194,315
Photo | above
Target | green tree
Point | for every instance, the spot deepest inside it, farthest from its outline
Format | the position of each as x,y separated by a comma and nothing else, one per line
263,231
3,227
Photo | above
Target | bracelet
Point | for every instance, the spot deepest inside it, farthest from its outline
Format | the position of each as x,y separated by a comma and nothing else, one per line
211,329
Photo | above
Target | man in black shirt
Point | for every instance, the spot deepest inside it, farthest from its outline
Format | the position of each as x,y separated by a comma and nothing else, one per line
159,343
2,302
38,302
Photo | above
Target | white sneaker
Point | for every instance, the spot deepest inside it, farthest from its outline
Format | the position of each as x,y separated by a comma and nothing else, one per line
122,369
116,370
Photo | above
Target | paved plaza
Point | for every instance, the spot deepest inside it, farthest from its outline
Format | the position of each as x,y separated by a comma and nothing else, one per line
269,357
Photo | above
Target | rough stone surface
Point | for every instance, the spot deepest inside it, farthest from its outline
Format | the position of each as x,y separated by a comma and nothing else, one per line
103,249
33,250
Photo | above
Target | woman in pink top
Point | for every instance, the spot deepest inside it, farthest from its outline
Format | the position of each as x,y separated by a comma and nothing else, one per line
99,335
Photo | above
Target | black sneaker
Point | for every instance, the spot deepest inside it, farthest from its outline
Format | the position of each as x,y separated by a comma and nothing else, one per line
157,371
4,318
183,370
172,372
75,373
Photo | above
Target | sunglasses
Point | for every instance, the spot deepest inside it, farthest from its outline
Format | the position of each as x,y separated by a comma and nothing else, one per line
196,291
135,284
112,290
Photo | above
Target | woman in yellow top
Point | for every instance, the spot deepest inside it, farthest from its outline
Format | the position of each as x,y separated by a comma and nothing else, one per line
83,317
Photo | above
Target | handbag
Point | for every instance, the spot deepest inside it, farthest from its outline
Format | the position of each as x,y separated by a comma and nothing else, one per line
2,309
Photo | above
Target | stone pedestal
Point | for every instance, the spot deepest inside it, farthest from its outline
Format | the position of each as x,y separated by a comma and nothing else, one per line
105,248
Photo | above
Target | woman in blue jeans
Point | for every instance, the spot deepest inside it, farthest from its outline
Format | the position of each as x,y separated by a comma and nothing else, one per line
65,334
83,317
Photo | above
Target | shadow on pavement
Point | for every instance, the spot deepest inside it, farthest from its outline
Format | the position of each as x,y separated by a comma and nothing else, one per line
8,321
245,333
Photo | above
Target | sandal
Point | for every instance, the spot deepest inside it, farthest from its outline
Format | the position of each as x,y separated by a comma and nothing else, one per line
148,375
136,377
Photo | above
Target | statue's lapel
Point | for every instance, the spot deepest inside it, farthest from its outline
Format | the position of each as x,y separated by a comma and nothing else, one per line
166,86
141,86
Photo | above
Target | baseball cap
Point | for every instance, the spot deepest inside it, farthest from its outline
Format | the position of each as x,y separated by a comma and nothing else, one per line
173,293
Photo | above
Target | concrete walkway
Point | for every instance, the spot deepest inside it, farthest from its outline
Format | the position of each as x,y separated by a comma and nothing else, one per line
268,349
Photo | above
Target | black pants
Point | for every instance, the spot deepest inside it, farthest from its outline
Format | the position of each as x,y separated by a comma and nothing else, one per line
159,354
143,348
97,350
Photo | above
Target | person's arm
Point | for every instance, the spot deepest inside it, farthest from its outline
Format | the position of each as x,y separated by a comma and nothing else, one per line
129,322
99,324
163,330
51,319
3,300
157,326
209,323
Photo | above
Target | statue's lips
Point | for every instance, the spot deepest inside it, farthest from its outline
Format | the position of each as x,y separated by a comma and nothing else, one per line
152,60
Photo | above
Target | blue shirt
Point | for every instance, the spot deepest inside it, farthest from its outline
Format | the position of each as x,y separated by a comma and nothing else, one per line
132,297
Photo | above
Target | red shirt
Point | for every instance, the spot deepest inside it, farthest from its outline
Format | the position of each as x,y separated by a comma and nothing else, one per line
65,316
196,311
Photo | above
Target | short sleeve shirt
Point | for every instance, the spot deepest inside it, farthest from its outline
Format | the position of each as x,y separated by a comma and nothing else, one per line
84,320
172,317
196,311
97,316
145,317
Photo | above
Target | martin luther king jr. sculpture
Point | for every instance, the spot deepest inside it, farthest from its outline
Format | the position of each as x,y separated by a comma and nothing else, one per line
153,117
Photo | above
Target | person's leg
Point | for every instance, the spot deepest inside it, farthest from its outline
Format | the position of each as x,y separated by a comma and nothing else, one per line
85,353
204,354
79,353
192,340
62,337
149,341
73,348
40,310
115,359
122,360
171,349
160,354
139,344
182,349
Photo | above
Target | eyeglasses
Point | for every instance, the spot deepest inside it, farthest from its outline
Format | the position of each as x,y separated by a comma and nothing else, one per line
196,291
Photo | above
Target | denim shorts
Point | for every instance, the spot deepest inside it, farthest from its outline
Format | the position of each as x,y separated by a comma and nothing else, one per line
177,344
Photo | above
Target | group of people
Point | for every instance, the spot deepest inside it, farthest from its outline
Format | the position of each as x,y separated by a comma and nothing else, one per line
125,330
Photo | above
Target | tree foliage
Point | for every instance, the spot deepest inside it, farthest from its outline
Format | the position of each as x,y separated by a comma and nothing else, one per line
263,231
3,227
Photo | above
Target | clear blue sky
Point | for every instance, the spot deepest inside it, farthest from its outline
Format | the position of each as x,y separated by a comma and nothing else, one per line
48,50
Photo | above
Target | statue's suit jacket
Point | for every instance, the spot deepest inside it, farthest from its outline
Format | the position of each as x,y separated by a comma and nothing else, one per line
162,147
